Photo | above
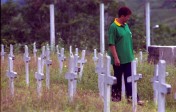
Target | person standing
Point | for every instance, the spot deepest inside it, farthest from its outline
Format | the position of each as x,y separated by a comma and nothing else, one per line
121,53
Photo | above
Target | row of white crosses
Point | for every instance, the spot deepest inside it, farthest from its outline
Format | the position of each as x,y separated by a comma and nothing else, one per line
161,88
105,80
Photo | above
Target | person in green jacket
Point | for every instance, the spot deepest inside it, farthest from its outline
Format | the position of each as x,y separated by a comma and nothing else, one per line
121,53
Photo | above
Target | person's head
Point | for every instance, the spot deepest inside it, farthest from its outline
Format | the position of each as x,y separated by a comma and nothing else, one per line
124,13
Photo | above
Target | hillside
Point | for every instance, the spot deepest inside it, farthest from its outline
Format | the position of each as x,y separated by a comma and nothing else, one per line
162,11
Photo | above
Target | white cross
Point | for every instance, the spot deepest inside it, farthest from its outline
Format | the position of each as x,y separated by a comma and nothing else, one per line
11,74
134,78
108,82
2,52
61,59
48,63
81,62
57,49
140,56
95,58
76,51
175,96
123,87
26,60
100,71
71,53
11,52
39,76
161,86
71,76
43,57
34,50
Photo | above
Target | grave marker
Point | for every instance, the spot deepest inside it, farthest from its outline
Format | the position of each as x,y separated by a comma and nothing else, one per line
11,74
81,62
95,58
71,53
134,78
100,71
34,50
11,52
61,59
71,76
2,52
43,57
26,60
108,82
48,64
39,76
161,86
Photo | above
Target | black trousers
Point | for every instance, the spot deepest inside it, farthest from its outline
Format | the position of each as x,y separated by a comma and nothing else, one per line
117,88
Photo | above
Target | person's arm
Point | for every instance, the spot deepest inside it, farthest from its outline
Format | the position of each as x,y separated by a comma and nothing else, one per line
115,55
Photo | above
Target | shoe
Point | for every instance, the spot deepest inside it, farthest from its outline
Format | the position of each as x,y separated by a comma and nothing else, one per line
141,103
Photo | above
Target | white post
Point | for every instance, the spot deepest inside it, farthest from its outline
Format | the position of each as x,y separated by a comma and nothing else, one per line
11,74
34,50
52,27
81,62
134,78
108,82
61,59
11,52
175,96
2,52
71,76
161,86
95,57
43,57
26,60
147,14
48,63
102,43
39,77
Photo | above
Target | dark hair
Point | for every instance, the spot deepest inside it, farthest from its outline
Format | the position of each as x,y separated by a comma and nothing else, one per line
124,11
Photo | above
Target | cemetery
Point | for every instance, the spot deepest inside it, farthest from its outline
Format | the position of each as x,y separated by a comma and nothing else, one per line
59,78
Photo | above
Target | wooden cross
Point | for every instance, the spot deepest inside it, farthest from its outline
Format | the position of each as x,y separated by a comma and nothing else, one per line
2,52
71,76
134,78
161,86
81,62
11,74
61,59
48,64
26,60
108,82
39,76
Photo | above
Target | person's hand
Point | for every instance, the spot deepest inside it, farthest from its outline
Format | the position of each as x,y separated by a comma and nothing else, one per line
117,62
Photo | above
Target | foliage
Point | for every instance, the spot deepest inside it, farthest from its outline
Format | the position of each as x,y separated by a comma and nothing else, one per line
28,21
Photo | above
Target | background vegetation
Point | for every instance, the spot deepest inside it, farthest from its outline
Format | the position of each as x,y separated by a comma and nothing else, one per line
77,22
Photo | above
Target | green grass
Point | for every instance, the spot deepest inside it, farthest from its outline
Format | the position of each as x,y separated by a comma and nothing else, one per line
87,98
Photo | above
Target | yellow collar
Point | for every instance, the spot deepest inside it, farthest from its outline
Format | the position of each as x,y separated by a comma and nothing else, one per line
117,23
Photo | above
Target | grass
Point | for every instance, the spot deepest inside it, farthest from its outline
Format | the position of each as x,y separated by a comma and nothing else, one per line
87,98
